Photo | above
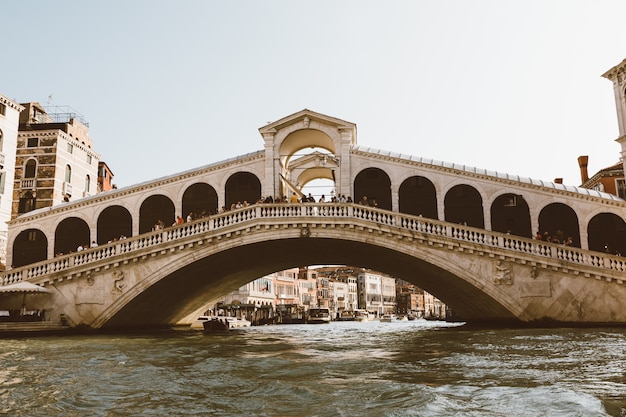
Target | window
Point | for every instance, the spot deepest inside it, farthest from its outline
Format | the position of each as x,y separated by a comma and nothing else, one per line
27,203
3,109
33,142
621,188
3,179
68,174
1,140
87,181
30,169
70,148
89,159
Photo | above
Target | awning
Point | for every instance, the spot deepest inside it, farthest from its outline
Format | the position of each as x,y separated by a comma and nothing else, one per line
22,287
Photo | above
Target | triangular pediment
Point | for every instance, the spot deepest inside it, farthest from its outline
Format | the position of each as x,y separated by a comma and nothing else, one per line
303,115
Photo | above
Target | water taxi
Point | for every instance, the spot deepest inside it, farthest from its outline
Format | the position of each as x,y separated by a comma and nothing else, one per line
198,324
363,315
318,315
346,315
388,318
219,323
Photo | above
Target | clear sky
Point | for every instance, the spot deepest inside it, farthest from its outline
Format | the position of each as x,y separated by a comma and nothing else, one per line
167,86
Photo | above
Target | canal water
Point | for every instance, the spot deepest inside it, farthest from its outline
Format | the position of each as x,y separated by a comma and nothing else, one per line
413,368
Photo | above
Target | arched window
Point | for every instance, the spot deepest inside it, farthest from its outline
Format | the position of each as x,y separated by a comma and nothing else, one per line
30,169
68,174
87,182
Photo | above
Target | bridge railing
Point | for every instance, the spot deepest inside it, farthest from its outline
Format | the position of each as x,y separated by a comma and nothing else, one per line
315,212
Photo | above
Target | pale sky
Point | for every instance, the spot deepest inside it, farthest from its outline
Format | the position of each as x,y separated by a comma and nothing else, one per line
167,86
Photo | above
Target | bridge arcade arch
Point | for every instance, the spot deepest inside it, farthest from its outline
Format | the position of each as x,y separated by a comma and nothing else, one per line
199,199
607,233
463,204
30,246
375,184
510,214
417,196
156,209
242,187
114,222
70,234
561,222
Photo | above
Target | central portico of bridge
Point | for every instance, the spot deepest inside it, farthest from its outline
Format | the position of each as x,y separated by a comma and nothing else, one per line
461,233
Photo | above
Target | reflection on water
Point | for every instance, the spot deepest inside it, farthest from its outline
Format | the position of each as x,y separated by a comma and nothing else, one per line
413,368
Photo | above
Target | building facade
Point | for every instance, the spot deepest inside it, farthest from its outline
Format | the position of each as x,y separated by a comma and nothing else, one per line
9,123
54,162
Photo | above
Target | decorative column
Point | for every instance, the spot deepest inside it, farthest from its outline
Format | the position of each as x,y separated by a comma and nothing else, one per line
343,183
272,166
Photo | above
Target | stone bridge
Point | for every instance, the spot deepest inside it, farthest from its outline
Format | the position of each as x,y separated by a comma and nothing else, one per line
159,277
462,233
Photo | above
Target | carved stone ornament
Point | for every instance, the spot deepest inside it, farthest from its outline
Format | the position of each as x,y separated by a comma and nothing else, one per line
502,273
305,232
118,284
534,272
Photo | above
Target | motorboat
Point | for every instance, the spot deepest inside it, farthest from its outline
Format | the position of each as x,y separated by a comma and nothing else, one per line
346,315
363,315
221,323
198,324
318,315
388,318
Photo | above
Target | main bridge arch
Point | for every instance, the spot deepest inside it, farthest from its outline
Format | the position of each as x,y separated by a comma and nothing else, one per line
161,277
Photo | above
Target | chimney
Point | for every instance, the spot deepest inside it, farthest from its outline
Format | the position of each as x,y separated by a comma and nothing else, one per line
582,163
558,180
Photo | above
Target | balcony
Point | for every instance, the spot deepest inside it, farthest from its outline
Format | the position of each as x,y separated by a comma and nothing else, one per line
67,188
28,184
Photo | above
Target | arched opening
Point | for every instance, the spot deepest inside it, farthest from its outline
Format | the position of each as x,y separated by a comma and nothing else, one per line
558,222
320,187
70,234
199,199
417,195
510,214
156,210
114,222
607,233
464,205
30,246
68,174
242,187
373,183
30,169
28,202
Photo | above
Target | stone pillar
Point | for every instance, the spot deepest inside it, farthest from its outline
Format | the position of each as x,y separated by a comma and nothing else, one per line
272,165
343,184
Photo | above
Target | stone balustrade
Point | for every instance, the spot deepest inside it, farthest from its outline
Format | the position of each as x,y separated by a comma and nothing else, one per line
312,214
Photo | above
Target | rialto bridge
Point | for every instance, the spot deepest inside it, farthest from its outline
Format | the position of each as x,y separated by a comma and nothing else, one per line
461,233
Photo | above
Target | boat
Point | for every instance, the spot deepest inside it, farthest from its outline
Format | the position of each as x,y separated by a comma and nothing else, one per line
318,315
388,318
363,315
290,314
346,315
223,323
198,324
